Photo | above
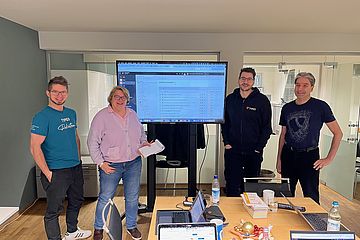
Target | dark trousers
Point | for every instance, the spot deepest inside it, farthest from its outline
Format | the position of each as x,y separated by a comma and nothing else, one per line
64,182
237,166
298,166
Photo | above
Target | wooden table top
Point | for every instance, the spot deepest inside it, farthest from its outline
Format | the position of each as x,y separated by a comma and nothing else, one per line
282,221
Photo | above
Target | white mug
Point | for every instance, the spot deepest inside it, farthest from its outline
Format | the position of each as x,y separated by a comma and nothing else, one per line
268,196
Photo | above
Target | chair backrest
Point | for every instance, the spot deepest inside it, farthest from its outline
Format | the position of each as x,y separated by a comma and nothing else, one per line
278,185
114,229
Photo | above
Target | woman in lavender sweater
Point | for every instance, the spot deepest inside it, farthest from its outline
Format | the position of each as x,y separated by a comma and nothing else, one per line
115,136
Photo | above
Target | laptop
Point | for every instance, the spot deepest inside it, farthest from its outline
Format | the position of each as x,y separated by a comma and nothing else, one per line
317,221
114,227
187,231
317,235
195,214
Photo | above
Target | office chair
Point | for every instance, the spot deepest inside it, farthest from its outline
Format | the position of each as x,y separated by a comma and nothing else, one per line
170,164
258,184
114,229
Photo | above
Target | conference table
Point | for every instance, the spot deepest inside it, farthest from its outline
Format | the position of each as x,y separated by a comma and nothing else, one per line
282,221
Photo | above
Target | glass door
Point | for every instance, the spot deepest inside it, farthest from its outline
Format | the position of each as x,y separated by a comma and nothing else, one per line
344,97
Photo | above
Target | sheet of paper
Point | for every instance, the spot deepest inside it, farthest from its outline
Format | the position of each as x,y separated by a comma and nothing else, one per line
154,148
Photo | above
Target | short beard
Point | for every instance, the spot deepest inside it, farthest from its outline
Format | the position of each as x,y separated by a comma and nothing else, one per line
245,90
59,104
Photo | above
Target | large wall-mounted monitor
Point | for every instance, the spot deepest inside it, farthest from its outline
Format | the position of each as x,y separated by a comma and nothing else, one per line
175,92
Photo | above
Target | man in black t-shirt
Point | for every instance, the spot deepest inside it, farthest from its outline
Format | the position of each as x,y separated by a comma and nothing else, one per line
298,153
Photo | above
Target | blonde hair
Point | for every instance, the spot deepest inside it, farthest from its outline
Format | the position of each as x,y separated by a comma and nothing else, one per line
124,90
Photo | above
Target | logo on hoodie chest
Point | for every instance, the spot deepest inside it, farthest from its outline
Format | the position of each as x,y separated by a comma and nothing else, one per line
251,108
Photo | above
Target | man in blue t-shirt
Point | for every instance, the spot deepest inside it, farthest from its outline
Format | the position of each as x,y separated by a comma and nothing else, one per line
298,153
55,146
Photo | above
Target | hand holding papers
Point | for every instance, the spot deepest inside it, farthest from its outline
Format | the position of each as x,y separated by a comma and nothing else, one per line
154,148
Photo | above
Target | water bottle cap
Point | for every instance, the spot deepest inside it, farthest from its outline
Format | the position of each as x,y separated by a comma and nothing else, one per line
335,203
215,176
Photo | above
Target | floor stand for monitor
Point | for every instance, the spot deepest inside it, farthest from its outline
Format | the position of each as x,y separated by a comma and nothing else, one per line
151,166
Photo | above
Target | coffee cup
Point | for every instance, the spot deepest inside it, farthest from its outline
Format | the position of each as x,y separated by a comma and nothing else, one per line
219,227
268,196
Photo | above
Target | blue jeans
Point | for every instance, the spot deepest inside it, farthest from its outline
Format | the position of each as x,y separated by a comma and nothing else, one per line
130,173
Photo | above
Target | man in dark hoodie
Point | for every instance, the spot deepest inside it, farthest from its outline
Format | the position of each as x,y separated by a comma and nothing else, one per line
245,132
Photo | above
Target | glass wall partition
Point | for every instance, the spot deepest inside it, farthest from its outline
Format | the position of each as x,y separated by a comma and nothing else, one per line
342,93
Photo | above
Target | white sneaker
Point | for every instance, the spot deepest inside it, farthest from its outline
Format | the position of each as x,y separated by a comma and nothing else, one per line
79,234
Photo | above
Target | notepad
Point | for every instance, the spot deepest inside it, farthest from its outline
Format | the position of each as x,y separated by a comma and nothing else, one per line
154,148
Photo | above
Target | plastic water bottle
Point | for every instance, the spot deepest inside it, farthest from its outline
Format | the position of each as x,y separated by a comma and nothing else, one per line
215,190
334,218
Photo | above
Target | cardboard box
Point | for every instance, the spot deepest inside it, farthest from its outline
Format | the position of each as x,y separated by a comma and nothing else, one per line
255,206
256,213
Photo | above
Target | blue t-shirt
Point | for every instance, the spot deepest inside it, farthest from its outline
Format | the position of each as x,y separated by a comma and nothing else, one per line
304,122
59,128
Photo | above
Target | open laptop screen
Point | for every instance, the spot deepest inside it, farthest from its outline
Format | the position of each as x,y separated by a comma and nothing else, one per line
187,231
317,235
197,209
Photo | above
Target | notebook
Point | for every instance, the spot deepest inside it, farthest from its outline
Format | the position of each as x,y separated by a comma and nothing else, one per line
317,235
195,214
187,231
317,221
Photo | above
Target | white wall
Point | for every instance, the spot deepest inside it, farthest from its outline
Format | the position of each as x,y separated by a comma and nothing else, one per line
231,46
99,86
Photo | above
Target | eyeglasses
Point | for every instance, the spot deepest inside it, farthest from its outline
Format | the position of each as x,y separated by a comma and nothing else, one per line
245,78
57,93
117,97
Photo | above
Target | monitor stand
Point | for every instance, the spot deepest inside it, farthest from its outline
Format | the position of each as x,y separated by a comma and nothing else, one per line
151,166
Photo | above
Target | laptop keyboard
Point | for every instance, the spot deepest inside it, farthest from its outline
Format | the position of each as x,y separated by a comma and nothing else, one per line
318,223
179,217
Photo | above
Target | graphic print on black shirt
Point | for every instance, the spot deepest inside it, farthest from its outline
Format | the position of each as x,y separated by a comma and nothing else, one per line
299,126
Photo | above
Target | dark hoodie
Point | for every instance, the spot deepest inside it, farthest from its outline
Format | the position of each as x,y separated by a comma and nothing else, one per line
247,124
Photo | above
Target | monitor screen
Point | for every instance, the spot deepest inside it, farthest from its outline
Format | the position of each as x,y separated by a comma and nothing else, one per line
315,235
187,231
175,92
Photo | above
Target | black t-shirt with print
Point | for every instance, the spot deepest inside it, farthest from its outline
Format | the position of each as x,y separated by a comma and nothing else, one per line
304,122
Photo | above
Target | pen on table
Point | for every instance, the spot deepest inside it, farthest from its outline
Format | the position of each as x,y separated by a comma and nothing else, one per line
247,200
